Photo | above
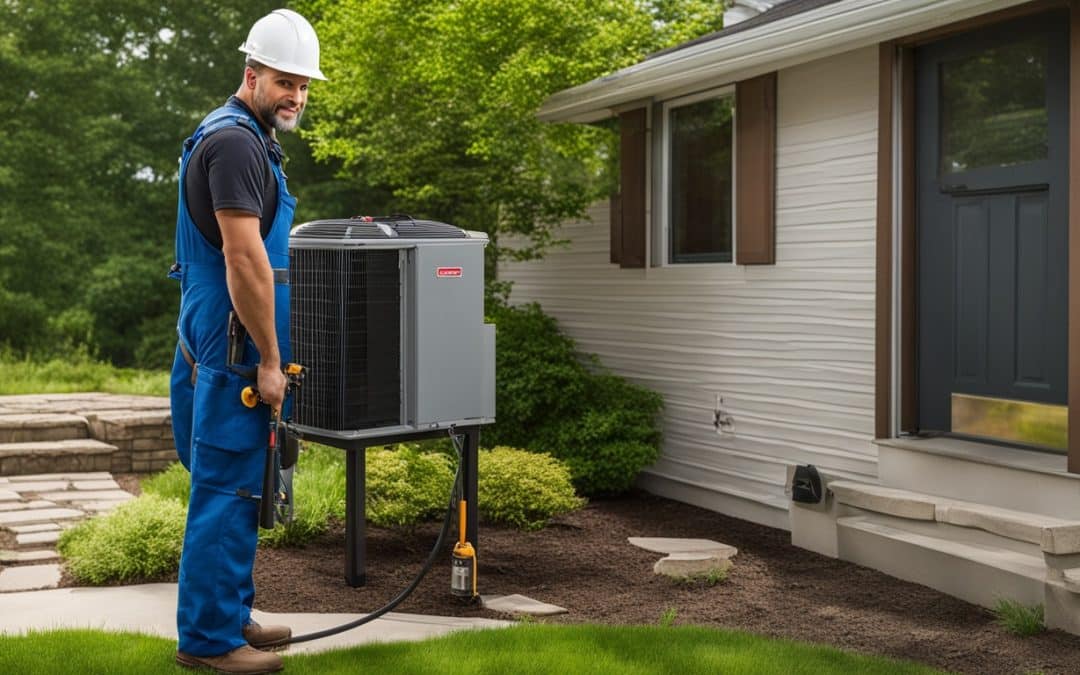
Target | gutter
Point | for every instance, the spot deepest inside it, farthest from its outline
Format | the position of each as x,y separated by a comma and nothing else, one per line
817,33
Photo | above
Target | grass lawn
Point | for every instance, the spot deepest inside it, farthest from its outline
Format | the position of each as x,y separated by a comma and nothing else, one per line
80,373
527,648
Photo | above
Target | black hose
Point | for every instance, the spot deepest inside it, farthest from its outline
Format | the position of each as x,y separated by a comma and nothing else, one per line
388,607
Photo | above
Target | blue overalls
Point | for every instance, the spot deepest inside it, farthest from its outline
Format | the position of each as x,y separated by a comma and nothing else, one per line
221,442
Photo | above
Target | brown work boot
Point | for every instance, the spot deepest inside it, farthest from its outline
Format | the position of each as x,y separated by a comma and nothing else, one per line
244,659
266,637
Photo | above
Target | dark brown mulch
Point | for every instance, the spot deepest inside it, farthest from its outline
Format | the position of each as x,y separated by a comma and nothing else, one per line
583,562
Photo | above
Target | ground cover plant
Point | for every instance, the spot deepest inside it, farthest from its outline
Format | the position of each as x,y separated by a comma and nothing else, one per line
1019,618
532,648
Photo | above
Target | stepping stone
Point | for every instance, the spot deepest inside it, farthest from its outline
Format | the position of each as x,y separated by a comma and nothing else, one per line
88,496
27,556
72,476
19,506
38,516
29,578
95,485
30,426
39,486
8,496
519,604
691,564
37,538
668,546
41,527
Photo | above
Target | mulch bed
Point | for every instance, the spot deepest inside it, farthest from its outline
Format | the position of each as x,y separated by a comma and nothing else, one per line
583,562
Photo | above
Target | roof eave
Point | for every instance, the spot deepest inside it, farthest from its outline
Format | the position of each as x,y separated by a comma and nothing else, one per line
813,34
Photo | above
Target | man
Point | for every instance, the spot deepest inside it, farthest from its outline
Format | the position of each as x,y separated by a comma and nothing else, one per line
232,252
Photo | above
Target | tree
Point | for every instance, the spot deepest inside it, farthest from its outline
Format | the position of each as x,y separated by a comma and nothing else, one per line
434,102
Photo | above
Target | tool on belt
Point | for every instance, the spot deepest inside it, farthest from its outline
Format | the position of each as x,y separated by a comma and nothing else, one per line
276,502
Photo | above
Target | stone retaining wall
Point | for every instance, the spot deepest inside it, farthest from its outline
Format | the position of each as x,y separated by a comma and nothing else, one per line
143,438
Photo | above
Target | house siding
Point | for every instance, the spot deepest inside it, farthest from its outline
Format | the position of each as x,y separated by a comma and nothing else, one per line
789,347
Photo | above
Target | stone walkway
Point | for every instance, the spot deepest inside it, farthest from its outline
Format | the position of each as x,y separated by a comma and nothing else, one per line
34,510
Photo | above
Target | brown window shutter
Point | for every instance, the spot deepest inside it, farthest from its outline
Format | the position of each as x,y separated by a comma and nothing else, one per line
628,232
755,171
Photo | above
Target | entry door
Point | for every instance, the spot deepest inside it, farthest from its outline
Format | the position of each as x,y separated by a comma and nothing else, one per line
991,127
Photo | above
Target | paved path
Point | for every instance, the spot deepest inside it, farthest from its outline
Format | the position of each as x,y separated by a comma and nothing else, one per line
151,609
34,510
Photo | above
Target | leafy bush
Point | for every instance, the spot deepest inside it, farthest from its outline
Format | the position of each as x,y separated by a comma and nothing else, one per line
1019,619
523,488
172,483
406,486
139,541
549,400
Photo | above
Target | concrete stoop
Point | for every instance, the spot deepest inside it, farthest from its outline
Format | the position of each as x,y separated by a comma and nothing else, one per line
976,552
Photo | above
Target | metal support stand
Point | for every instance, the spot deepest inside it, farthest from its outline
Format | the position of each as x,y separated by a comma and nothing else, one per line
355,520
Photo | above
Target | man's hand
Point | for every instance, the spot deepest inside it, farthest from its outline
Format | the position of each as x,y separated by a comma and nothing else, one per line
271,383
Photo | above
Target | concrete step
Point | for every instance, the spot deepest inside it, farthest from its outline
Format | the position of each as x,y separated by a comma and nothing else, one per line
984,473
74,455
28,427
972,565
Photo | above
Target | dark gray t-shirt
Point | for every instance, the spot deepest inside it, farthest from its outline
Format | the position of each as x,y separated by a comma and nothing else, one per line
230,170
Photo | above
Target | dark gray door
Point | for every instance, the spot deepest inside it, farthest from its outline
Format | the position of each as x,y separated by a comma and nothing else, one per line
992,112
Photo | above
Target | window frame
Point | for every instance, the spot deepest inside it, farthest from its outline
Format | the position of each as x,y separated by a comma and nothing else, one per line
667,258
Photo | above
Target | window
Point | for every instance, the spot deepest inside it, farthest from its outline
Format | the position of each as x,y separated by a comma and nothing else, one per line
698,177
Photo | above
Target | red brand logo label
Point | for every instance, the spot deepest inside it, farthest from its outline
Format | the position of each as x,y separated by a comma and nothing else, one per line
447,272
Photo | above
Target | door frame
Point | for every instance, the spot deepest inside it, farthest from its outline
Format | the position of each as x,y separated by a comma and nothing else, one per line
895,387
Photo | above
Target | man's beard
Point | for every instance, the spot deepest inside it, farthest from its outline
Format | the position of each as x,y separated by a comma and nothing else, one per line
267,110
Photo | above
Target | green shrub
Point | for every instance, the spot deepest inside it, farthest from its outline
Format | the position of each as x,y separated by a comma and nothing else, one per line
551,399
139,541
406,486
1019,619
172,483
524,489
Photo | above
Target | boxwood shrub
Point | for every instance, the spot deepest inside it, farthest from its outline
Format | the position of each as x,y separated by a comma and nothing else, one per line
524,489
550,398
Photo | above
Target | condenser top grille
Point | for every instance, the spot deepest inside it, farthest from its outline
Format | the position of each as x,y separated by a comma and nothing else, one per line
380,227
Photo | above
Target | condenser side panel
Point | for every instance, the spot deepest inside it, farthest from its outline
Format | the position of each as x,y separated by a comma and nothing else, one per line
449,311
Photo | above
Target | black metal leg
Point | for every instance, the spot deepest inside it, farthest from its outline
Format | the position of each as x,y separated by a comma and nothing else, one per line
355,521
469,476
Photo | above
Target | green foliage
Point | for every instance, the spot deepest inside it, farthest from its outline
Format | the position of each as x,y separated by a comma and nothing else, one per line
174,482
523,489
139,541
1018,618
449,130
76,371
547,400
406,486
667,619
319,484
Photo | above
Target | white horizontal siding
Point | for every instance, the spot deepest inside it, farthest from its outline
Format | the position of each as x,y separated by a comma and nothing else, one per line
790,346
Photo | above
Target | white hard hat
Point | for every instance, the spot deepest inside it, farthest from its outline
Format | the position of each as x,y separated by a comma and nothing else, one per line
285,41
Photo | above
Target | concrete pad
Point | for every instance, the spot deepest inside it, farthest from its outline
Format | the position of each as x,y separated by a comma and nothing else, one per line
151,609
1018,525
88,495
28,556
890,501
667,546
685,565
95,485
29,578
40,527
20,506
72,476
38,516
519,604
39,486
37,538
